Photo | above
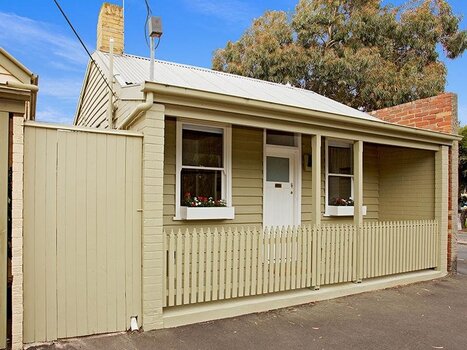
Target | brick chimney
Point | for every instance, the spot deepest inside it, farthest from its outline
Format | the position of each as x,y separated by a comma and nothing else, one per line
110,25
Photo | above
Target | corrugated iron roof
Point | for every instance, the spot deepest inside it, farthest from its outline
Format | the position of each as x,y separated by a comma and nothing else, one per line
135,70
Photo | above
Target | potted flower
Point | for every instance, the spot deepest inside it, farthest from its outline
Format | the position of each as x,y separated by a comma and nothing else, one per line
205,208
342,207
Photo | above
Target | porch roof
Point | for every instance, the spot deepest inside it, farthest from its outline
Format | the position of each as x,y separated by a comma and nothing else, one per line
132,70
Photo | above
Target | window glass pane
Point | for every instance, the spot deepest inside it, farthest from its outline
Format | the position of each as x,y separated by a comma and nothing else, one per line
204,183
340,160
277,169
339,188
201,148
280,138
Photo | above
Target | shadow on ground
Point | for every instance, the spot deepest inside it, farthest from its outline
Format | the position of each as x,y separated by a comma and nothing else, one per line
428,315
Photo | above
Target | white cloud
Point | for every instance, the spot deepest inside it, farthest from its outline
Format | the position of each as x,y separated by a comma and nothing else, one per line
52,53
51,114
232,11
40,39
62,88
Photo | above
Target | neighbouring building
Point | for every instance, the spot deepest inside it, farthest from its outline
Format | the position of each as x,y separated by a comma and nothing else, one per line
18,94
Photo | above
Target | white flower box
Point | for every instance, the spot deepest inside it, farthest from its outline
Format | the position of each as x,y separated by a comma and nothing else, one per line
341,210
207,213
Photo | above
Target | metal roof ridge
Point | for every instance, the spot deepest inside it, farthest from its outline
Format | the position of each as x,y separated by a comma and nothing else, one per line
255,80
237,76
212,71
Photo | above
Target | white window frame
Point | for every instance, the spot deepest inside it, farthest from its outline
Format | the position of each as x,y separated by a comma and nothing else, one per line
342,144
227,161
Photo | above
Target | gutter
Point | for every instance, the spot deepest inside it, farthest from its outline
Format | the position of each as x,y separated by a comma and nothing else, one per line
33,89
22,86
141,108
224,99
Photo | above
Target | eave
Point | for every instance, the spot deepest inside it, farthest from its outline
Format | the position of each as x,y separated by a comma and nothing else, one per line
324,123
15,94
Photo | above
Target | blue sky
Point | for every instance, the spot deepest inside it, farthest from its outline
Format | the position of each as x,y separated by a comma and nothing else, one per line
36,34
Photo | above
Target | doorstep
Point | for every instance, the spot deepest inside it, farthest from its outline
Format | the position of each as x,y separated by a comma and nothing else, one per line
202,312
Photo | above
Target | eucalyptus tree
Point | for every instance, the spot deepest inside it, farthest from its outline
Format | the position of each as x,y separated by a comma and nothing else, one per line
358,52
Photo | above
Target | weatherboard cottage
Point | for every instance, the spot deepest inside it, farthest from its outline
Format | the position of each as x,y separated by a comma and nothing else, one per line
183,194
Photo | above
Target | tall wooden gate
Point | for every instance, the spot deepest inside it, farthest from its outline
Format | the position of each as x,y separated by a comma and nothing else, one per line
4,130
82,231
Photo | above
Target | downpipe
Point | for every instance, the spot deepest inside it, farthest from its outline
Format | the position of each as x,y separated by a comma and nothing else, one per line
141,108
145,106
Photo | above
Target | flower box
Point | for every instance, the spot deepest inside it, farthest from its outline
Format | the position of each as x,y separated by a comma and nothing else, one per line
342,210
207,213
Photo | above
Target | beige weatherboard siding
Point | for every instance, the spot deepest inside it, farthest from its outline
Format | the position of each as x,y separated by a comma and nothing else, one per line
398,183
4,138
12,69
6,75
407,184
247,180
82,232
92,107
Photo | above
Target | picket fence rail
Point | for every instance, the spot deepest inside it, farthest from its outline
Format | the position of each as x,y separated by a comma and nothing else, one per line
205,265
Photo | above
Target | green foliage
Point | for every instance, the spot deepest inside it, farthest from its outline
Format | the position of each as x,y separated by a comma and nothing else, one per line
357,52
463,160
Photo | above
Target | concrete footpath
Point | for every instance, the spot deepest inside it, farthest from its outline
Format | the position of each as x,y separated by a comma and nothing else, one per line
462,238
428,315
462,253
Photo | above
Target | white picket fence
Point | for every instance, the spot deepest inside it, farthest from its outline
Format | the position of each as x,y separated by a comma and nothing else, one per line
214,264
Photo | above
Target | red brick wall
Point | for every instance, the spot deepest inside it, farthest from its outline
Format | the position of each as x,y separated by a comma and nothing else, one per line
438,113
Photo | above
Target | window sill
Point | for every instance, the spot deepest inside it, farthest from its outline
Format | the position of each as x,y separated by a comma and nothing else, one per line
342,210
210,213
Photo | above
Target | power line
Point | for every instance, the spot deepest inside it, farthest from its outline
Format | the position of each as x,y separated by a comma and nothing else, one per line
148,8
148,16
84,46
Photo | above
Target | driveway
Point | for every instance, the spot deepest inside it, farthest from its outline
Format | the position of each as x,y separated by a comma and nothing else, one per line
428,315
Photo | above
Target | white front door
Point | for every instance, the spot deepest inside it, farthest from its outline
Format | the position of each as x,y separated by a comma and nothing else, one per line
279,188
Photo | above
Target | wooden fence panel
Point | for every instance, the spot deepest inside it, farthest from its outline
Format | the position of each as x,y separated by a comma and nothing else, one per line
82,232
205,265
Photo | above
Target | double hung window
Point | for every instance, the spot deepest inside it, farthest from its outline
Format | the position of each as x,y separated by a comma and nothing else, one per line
203,166
339,173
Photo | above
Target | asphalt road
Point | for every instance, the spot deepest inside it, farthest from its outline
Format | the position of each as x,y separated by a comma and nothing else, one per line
428,315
